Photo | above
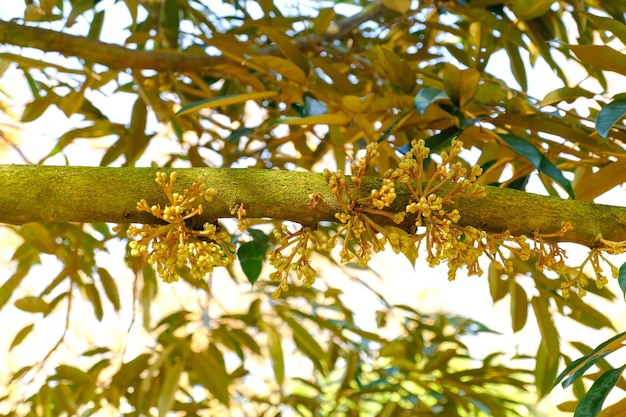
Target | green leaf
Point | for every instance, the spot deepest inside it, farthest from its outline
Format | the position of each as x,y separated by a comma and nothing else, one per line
95,29
287,69
591,403
400,6
580,365
110,288
538,160
252,254
622,278
609,115
288,49
460,85
170,22
169,386
211,373
307,344
531,9
21,335
332,119
601,57
251,260
517,65
609,24
426,96
567,94
519,306
548,353
94,298
276,351
394,67
73,374
32,304
224,101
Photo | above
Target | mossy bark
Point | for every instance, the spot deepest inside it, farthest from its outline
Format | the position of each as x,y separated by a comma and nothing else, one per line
102,194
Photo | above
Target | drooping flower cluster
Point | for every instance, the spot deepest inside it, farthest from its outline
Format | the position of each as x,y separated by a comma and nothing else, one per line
176,243
429,208
356,211
296,244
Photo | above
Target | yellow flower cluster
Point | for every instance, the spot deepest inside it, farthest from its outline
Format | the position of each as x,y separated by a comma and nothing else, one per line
428,208
594,258
297,242
176,243
356,211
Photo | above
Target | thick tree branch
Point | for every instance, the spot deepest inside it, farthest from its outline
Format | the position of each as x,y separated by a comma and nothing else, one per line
108,54
102,194
117,56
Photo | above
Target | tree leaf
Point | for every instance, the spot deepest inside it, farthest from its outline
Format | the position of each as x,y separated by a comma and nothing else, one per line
400,6
460,85
548,353
578,367
94,297
531,9
601,57
519,306
211,373
332,119
615,410
284,67
622,278
518,68
289,50
32,304
110,288
567,94
274,344
426,96
9,286
74,374
307,344
609,24
251,260
593,184
21,335
538,160
609,115
394,67
224,101
591,403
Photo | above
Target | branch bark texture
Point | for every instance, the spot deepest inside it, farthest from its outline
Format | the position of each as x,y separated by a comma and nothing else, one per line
104,194
117,56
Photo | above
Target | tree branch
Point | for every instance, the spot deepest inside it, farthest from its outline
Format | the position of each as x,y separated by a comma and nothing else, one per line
116,56
104,194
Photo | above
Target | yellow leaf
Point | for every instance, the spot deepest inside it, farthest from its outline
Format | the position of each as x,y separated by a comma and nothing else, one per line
224,101
288,49
592,185
615,410
286,68
333,119
460,86
357,104
531,9
394,67
400,6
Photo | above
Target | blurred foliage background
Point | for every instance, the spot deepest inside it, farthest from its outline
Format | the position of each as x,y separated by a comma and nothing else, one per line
301,86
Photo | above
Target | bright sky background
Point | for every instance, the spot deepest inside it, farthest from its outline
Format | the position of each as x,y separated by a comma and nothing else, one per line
421,287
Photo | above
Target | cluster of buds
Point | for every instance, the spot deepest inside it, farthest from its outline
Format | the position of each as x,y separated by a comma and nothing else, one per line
356,211
296,261
176,243
594,258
